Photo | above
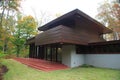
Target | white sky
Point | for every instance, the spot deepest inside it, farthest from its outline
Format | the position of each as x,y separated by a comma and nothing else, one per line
52,7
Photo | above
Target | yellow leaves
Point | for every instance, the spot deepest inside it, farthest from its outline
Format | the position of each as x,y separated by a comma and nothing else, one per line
28,18
109,15
20,21
27,26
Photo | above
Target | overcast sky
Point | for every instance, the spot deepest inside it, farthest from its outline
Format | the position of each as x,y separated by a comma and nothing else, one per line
52,7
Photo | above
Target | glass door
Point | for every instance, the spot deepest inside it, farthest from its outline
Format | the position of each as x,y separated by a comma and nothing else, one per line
59,54
48,54
53,53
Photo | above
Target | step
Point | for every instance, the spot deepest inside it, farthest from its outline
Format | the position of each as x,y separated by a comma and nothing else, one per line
41,64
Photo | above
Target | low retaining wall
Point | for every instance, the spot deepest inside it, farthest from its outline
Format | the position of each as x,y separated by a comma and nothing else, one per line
71,59
103,60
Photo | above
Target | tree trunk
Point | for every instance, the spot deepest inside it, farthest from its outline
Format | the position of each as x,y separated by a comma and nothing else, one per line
2,16
5,46
18,50
6,39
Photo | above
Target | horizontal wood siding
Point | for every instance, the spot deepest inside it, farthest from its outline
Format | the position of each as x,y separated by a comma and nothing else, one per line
88,31
64,34
59,34
69,35
50,36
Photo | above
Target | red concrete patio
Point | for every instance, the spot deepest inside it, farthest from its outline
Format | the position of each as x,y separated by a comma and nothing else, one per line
41,64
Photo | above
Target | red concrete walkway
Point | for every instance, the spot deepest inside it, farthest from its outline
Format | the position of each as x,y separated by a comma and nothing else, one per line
41,64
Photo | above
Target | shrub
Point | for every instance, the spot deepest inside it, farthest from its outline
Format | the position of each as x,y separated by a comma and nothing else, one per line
2,55
86,65
6,56
3,70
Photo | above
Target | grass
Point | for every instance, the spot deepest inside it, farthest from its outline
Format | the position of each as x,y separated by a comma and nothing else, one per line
18,71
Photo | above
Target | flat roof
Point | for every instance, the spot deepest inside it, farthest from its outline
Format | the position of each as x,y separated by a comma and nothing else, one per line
106,42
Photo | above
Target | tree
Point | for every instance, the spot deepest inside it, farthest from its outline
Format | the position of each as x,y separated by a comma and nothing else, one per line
7,7
44,17
25,28
109,15
29,26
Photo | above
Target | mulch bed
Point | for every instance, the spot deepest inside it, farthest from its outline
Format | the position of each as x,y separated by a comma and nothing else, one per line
3,70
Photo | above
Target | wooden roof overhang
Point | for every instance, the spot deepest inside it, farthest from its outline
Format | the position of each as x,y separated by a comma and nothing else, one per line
70,18
30,40
106,47
60,34
106,43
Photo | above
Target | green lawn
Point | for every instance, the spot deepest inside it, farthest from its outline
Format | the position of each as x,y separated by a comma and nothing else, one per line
18,71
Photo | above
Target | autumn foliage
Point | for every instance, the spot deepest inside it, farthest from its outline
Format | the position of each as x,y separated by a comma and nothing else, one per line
15,28
109,15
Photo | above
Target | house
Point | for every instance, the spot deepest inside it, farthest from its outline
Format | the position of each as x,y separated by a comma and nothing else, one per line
75,39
